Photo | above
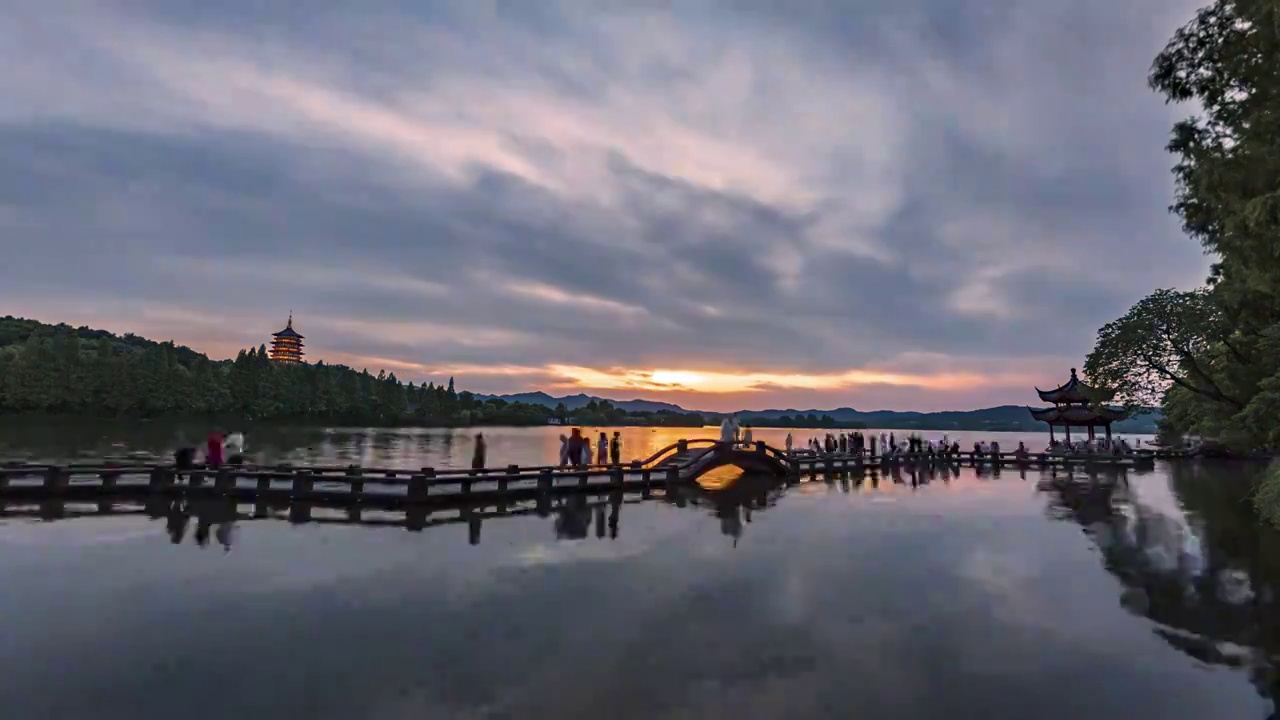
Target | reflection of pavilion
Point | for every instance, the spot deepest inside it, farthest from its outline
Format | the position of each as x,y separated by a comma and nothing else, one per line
1071,408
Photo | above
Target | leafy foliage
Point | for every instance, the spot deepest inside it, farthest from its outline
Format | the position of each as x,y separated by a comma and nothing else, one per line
1213,355
61,370
1267,497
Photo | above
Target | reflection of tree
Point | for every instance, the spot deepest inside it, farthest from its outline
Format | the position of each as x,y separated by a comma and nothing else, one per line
1211,594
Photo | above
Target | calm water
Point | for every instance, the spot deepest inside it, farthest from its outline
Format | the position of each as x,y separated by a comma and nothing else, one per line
393,448
1009,596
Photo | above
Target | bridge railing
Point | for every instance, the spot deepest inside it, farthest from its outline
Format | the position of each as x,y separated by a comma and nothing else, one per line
674,449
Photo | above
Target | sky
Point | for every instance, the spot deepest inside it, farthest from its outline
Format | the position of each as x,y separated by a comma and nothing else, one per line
901,204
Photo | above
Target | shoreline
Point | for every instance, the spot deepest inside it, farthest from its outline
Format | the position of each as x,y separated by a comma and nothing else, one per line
306,422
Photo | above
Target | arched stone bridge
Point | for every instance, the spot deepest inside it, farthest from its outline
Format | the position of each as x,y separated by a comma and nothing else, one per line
694,458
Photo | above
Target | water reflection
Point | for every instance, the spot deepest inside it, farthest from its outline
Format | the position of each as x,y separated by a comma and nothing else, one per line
918,594
81,440
1204,572
574,517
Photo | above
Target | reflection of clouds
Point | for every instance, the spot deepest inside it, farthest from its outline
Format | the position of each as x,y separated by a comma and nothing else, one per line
77,533
554,553
916,608
1008,576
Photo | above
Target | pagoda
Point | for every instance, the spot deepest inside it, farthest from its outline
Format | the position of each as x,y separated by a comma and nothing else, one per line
286,345
1071,408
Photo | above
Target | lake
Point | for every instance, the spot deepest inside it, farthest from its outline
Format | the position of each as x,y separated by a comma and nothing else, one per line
1151,594
405,448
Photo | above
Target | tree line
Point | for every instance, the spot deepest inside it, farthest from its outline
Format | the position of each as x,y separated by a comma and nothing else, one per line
1210,356
809,420
57,369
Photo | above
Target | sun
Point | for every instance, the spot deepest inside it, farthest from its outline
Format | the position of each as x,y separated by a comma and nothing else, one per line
682,378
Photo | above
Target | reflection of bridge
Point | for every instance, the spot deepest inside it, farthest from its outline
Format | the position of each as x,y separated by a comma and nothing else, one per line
680,463
574,514
223,503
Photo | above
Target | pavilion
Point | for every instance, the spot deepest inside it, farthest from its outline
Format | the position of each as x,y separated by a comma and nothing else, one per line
286,345
1071,408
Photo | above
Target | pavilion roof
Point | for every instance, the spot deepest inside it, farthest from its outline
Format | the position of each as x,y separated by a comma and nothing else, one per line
1072,391
288,331
1077,415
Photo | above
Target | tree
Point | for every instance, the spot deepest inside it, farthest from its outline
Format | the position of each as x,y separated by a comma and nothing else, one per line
1163,340
1212,356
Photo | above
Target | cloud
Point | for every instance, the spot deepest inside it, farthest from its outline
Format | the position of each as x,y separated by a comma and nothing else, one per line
778,205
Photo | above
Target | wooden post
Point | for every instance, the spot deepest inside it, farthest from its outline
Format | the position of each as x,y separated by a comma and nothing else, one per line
513,472
545,480
646,483
673,476
299,502
682,446
224,480
109,479
355,486
263,486
356,479
303,484
418,490
56,479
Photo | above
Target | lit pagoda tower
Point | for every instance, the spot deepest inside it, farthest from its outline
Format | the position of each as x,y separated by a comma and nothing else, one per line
286,345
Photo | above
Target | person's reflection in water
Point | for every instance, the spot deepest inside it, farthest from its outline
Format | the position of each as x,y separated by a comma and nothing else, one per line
573,519
176,521
615,507
730,518
225,533
203,526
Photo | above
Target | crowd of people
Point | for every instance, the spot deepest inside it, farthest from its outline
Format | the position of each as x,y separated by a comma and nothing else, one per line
889,445
219,450
575,449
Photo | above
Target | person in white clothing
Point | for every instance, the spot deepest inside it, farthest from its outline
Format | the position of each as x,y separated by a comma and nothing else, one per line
728,433
746,435
234,445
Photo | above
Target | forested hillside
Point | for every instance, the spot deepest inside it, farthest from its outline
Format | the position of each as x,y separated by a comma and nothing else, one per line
58,369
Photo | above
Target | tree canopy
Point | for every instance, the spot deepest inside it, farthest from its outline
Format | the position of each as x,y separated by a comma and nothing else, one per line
1211,356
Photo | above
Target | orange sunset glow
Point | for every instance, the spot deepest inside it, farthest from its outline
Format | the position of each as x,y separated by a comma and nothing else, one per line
715,216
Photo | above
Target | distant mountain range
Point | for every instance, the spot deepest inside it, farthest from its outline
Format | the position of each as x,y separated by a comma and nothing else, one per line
574,402
1001,418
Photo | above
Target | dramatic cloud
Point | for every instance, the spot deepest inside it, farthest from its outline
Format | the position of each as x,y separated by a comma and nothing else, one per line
889,203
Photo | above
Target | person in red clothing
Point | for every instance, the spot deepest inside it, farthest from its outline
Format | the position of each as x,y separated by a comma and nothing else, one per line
213,451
